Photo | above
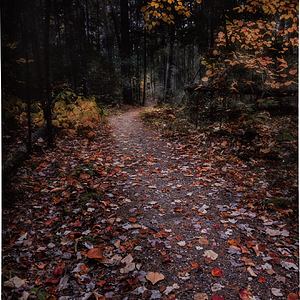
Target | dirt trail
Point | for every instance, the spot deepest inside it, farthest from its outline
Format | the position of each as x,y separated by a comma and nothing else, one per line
97,215
190,218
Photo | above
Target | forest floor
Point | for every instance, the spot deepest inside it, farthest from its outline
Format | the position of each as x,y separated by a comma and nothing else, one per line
133,215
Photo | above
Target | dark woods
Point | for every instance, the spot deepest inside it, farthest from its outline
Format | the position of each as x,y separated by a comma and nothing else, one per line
99,48
208,53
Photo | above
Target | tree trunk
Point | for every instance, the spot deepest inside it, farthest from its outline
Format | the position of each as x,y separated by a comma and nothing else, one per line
125,51
145,68
48,102
168,92
25,33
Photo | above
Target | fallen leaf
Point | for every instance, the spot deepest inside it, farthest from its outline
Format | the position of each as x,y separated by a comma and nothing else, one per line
216,272
154,277
101,283
128,268
248,261
15,282
132,220
63,283
95,253
203,241
251,272
169,289
217,287
292,296
217,297
181,243
233,243
262,280
128,259
115,260
194,265
210,254
273,232
276,292
25,296
245,294
52,280
201,296
59,269
184,275
289,265
41,266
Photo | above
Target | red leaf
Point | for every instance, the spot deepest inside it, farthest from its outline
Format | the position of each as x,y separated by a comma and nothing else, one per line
262,279
292,296
101,283
245,294
52,280
77,223
59,270
217,297
216,272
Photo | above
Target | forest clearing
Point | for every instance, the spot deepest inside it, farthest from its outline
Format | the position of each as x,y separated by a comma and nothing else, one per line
150,150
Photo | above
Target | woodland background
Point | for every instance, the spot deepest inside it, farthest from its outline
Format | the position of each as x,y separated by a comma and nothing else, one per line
64,63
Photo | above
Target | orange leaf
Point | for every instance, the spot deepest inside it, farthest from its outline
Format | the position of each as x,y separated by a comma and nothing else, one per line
95,253
194,265
84,269
232,242
154,277
132,220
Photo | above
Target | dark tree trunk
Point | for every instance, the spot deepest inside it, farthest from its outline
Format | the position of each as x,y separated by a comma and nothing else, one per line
168,92
125,51
116,28
69,40
48,100
29,124
25,33
145,68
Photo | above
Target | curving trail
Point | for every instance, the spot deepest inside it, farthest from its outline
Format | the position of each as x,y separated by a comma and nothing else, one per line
128,214
191,213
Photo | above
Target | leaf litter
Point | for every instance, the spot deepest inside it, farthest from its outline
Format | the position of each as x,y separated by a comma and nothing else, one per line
95,219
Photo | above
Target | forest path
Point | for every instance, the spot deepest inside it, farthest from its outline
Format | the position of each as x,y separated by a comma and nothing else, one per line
97,215
191,216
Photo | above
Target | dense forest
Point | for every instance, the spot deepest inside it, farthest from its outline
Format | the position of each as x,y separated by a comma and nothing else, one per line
137,136
130,51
